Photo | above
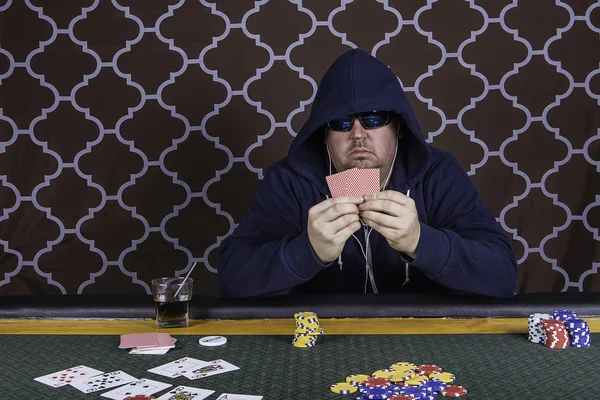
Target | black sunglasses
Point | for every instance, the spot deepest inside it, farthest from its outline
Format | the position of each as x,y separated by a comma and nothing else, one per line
368,120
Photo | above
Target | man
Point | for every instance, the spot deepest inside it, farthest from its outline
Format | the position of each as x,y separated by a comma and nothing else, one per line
427,230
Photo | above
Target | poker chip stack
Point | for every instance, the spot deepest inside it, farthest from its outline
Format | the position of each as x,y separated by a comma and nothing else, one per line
579,332
557,335
559,330
402,381
536,332
307,329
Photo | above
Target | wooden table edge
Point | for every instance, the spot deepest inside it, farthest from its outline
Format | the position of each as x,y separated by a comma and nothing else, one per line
284,326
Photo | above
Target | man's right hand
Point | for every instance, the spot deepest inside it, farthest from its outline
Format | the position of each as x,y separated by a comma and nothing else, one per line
330,224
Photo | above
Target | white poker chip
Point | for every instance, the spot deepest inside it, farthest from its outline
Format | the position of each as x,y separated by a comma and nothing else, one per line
212,341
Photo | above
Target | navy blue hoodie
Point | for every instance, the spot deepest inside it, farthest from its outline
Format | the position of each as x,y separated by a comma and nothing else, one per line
460,250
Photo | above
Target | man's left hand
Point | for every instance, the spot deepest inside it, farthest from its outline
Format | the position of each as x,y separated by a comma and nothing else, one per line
394,216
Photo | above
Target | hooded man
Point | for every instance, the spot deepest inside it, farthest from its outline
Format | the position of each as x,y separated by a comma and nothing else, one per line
425,231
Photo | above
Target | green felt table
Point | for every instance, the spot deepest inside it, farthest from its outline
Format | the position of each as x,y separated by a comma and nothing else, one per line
490,365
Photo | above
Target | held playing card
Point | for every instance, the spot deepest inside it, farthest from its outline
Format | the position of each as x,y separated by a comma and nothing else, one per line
354,182
362,182
101,382
65,377
190,393
178,367
214,367
143,386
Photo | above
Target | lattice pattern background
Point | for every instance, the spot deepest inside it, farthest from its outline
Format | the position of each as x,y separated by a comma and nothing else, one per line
134,133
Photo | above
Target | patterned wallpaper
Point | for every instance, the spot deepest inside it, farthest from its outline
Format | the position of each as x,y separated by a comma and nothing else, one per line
134,133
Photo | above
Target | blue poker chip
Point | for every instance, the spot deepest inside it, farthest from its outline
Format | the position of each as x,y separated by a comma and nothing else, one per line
434,386
377,393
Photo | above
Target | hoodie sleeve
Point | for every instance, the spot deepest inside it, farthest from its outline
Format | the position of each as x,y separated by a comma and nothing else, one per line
462,248
269,251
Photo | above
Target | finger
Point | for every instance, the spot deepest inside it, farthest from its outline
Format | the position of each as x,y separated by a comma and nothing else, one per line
334,227
389,195
338,210
385,231
389,207
324,205
383,220
343,235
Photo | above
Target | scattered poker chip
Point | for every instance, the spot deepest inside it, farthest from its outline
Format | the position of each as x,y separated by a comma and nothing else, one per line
377,393
403,364
401,376
454,391
445,377
434,386
356,379
428,369
377,382
414,387
343,388
416,380
383,373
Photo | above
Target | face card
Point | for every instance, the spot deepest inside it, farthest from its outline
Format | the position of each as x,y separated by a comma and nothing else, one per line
143,386
66,376
214,367
178,367
104,381
229,396
187,393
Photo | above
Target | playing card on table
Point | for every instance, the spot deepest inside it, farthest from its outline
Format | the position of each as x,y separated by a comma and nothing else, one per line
139,340
178,367
66,376
143,386
229,396
214,367
190,393
104,381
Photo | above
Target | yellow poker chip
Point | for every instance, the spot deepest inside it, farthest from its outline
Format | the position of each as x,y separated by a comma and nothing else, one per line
383,373
416,380
305,314
399,365
401,376
403,368
356,379
445,377
343,388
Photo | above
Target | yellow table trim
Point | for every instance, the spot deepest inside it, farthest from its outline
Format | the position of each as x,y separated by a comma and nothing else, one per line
332,326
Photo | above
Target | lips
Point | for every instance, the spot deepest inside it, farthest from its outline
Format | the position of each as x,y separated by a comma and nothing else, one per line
359,151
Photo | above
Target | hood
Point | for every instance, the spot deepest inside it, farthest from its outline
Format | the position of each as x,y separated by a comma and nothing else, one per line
358,82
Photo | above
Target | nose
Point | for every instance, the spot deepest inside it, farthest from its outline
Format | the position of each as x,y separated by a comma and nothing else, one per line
357,131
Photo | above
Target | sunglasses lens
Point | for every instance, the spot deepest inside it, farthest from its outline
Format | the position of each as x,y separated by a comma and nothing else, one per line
369,120
340,124
374,120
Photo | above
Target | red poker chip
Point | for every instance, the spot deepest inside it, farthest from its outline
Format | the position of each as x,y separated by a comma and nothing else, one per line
377,382
454,391
428,369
